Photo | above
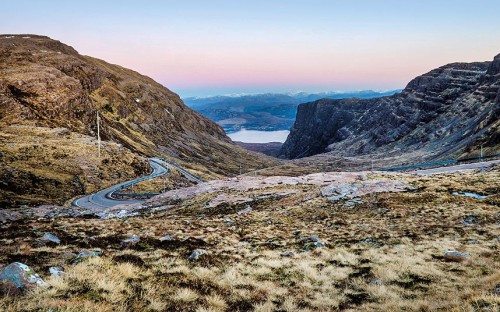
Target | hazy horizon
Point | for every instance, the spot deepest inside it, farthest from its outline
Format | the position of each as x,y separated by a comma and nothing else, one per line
201,48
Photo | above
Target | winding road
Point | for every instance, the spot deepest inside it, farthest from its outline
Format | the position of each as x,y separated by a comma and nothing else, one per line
103,198
456,168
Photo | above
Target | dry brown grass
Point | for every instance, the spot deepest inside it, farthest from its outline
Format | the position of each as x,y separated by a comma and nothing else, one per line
385,253
47,166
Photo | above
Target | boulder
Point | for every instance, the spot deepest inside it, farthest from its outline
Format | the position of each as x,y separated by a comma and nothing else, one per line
56,271
84,254
287,254
196,254
17,278
456,256
166,238
49,238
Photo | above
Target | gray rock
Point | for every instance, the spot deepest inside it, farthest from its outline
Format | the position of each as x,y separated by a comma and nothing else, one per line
372,242
456,256
314,238
314,245
84,254
195,255
245,211
166,238
287,254
49,238
18,277
56,271
470,220
376,281
131,241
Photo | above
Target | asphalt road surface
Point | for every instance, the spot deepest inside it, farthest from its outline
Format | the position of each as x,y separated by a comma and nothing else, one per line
102,199
457,167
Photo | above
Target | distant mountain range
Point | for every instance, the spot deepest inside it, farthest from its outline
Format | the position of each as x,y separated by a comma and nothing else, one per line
265,112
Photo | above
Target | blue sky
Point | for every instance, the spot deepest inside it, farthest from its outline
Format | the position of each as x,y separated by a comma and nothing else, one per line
219,46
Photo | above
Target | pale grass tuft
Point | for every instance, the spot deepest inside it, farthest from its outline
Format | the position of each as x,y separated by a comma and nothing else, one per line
267,306
157,305
344,257
216,302
289,305
127,270
185,295
205,309
205,273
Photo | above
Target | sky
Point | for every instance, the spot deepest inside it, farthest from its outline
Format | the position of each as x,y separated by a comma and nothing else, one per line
210,47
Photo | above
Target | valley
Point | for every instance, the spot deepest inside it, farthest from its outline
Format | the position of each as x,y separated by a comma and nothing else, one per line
159,210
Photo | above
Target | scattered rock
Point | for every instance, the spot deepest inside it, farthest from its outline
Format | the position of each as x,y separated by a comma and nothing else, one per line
376,281
372,242
287,254
245,211
456,256
314,238
49,238
314,245
18,277
131,241
85,254
56,271
470,220
166,238
195,255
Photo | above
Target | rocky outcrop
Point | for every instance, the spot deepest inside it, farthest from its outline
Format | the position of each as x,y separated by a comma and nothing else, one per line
447,112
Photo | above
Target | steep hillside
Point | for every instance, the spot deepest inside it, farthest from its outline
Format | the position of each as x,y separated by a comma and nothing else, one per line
47,85
448,112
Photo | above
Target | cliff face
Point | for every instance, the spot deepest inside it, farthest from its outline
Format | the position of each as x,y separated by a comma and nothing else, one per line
448,112
47,85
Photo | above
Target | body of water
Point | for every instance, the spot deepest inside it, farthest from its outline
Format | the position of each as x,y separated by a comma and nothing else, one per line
256,136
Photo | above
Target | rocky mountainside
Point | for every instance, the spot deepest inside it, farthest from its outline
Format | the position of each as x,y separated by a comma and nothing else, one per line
448,112
49,97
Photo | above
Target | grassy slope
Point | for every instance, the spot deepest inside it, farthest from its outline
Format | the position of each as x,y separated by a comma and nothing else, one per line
384,253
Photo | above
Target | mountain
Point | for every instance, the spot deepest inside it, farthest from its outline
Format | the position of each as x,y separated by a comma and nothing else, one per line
49,97
448,112
266,112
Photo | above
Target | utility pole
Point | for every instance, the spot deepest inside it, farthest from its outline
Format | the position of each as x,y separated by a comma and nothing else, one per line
372,164
481,152
98,135
240,169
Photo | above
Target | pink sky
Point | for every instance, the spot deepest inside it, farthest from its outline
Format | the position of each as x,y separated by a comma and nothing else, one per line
198,47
